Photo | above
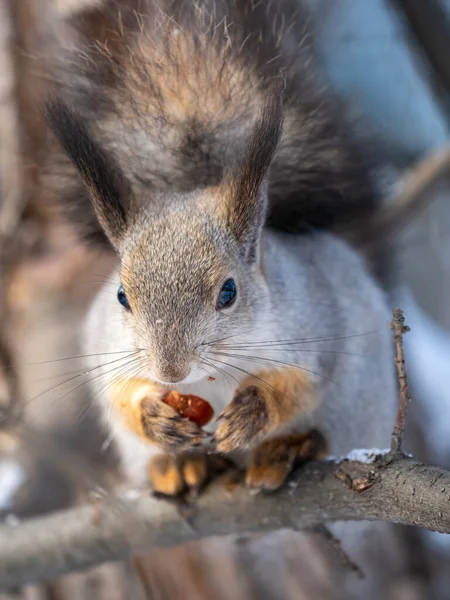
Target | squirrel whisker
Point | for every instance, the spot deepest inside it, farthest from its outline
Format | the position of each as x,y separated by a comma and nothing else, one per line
282,349
76,377
257,377
260,359
307,340
45,362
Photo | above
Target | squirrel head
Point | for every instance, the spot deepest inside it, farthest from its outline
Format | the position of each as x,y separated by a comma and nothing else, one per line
189,263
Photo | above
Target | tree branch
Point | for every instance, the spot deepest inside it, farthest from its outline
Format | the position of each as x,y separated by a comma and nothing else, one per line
412,198
430,24
399,328
391,488
401,491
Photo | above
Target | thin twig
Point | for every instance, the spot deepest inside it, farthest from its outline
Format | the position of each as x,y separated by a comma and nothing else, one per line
347,562
399,328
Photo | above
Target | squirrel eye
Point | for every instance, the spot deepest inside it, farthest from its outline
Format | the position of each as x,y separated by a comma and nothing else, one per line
227,294
122,298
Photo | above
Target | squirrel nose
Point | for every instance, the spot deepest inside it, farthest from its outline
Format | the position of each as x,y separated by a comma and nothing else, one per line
173,373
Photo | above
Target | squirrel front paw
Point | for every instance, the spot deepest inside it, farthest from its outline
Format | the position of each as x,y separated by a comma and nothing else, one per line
244,421
164,426
140,405
262,404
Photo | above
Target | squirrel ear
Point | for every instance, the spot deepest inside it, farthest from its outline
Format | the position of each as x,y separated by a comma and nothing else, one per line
247,202
109,192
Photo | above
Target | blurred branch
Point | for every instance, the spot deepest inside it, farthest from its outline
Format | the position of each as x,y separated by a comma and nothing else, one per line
12,197
402,491
412,197
11,180
332,540
417,182
430,22
21,137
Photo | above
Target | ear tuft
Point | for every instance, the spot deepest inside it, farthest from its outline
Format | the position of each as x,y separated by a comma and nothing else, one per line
108,189
247,205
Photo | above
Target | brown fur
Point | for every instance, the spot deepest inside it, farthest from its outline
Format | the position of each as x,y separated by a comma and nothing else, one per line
172,475
272,462
270,465
257,409
165,475
264,403
194,469
139,404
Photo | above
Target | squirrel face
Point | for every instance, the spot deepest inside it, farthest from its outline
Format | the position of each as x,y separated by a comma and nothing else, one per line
189,263
187,286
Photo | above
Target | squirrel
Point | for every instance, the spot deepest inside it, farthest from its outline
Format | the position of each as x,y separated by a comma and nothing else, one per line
200,147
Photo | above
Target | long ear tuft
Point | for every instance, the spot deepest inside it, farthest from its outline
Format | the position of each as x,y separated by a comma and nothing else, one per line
109,191
247,205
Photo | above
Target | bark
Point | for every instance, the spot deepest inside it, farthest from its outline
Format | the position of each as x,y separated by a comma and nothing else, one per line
400,491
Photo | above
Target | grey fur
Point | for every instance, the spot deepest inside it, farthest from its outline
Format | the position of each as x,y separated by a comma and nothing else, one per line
173,212
171,90
172,93
313,287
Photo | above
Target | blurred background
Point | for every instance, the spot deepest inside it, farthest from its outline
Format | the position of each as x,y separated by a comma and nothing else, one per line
390,60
